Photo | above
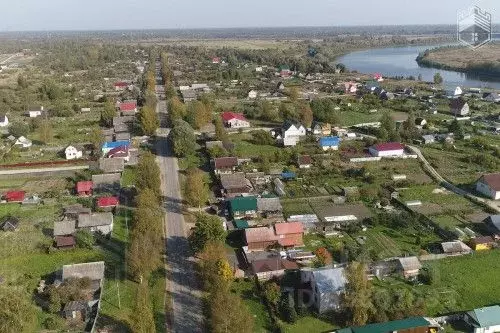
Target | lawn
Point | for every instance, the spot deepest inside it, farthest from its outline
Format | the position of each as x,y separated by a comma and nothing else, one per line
296,207
247,290
447,221
309,324
449,201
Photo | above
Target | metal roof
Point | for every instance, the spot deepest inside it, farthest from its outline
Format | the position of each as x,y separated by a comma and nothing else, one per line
330,280
486,317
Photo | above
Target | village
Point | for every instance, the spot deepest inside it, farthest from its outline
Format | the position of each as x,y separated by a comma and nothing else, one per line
312,186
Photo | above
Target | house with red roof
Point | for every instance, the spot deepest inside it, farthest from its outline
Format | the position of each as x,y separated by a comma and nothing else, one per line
234,120
121,86
215,60
84,188
387,149
107,203
14,196
286,235
128,107
489,185
119,152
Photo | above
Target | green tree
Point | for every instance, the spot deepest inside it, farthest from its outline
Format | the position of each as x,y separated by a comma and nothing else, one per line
357,296
409,129
438,79
293,93
96,140
272,294
45,132
196,189
148,176
149,120
17,315
142,317
84,239
208,228
220,130
262,137
18,129
287,308
306,114
268,112
107,114
221,320
183,138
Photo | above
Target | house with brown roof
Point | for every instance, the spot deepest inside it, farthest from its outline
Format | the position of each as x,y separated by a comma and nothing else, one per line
235,184
489,185
223,165
285,235
64,242
409,267
304,161
459,107
267,269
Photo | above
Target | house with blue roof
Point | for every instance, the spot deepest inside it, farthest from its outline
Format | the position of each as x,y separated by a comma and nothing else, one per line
288,175
329,143
484,320
108,146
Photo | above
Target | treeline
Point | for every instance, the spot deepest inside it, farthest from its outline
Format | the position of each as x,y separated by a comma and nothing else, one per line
147,116
146,244
226,311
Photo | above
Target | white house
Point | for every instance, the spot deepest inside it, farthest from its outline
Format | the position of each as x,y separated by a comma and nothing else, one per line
484,320
235,120
388,149
4,121
458,91
290,129
34,112
23,142
72,153
252,94
258,69
489,185
327,286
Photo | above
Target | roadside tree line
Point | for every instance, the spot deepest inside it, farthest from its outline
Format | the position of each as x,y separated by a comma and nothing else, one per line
146,241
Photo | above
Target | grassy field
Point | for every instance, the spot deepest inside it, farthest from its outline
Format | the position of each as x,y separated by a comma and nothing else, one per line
309,324
462,57
447,200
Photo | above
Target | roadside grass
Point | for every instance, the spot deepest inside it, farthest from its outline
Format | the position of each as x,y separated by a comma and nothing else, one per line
129,176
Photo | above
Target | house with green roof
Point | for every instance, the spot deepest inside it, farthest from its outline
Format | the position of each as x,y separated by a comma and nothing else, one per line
241,207
484,320
409,325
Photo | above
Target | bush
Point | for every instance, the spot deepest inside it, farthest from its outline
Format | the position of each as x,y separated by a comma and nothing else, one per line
18,129
84,239
262,137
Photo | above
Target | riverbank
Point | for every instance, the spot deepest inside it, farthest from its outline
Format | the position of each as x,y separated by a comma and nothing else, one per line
482,62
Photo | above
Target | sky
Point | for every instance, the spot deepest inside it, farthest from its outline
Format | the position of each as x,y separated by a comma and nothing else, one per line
38,15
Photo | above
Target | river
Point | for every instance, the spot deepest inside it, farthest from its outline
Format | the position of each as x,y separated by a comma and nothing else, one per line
400,61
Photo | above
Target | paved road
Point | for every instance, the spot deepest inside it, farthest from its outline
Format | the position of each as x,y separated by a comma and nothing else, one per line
186,313
490,203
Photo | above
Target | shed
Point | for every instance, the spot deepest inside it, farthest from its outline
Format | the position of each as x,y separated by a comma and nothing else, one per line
9,223
65,242
409,267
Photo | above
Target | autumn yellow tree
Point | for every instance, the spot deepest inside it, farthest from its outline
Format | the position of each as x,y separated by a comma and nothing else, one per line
357,298
306,114
196,188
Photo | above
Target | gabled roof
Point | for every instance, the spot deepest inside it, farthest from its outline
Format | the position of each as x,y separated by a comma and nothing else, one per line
106,179
119,151
92,270
14,195
330,279
64,227
128,106
64,241
455,247
409,263
485,317
305,160
94,220
242,204
328,141
84,186
287,228
227,116
114,144
110,165
75,306
225,162
107,202
235,181
288,124
494,221
260,234
457,103
272,265
492,180
269,205
388,146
